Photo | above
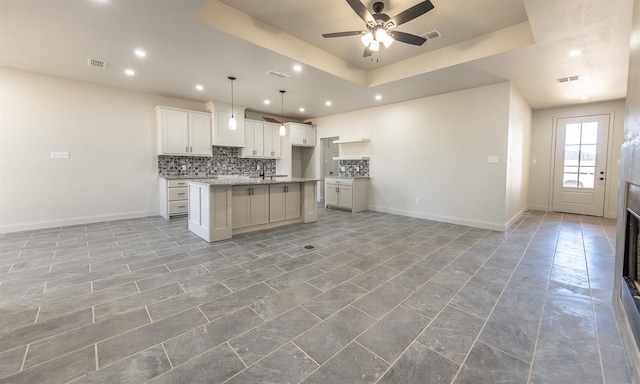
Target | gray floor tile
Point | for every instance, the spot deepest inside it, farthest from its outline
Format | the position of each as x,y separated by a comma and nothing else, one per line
275,305
614,364
18,319
452,333
166,278
138,368
75,339
132,342
293,278
259,342
490,365
374,277
138,300
414,277
234,301
420,365
382,299
199,340
389,337
569,331
333,334
171,306
554,365
333,278
56,371
429,299
252,278
513,332
353,365
286,365
215,366
11,361
332,301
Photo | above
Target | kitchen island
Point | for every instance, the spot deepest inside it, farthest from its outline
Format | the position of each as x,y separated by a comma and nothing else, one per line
221,208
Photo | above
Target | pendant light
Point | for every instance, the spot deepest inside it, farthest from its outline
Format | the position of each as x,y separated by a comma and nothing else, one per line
232,121
283,130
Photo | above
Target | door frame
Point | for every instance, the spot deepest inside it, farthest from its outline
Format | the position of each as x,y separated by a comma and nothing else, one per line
608,183
321,161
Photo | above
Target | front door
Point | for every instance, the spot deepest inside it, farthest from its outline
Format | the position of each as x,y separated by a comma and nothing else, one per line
580,164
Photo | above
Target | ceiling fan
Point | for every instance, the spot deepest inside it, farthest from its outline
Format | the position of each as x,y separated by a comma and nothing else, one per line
380,27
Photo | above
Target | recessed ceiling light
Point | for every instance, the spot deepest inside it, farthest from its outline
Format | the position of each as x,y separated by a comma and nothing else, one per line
301,109
267,101
199,87
583,97
297,67
575,53
140,53
378,97
327,103
129,72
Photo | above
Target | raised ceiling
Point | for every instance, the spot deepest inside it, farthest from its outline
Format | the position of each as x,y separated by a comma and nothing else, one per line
192,42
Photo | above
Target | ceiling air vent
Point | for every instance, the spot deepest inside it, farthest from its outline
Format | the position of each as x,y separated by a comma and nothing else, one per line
569,79
432,35
278,74
101,64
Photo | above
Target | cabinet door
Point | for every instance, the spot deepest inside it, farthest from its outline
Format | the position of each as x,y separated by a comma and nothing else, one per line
259,204
199,134
292,201
175,132
276,142
345,196
268,141
241,206
276,202
297,135
331,194
222,135
309,136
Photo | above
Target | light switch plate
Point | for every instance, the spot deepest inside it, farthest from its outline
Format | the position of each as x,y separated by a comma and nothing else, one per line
59,155
492,159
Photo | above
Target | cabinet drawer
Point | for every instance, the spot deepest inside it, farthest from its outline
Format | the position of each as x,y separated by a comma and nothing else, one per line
177,183
178,193
336,180
178,207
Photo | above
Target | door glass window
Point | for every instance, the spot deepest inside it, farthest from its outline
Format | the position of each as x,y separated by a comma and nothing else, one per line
580,155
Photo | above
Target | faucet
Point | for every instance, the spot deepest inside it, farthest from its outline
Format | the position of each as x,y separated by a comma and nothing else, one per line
261,168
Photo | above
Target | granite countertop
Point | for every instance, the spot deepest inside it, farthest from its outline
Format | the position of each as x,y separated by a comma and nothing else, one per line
212,177
347,177
250,181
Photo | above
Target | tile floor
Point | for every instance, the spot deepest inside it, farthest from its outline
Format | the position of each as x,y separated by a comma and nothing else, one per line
380,299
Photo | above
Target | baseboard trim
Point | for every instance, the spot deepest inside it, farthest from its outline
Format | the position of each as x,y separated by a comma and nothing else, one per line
543,208
515,218
35,225
445,219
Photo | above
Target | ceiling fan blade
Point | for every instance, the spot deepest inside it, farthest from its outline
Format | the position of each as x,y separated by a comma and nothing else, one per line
411,13
408,38
361,10
367,52
341,34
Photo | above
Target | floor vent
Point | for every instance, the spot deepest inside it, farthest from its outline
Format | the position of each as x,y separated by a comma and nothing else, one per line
101,64
432,35
278,74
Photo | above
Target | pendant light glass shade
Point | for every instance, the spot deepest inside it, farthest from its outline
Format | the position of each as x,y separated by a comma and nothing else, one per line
233,124
387,40
283,130
375,46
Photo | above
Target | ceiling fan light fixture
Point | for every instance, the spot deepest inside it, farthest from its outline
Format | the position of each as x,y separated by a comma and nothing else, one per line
374,46
387,40
367,38
381,34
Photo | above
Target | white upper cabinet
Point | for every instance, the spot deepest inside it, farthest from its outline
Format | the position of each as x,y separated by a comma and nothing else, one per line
302,135
222,135
183,132
272,141
253,139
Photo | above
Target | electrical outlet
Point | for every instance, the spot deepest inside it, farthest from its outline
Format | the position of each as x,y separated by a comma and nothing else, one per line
534,161
492,159
417,201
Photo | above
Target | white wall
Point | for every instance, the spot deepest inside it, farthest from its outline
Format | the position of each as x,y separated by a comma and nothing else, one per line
435,149
517,157
542,142
110,134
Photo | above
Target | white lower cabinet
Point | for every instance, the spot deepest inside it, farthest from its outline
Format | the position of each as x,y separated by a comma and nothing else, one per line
346,193
250,204
173,198
284,202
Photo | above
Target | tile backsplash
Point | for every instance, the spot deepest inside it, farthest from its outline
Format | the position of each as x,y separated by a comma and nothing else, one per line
350,168
225,161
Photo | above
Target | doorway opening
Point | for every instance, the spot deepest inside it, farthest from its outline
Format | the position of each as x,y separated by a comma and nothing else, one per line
580,165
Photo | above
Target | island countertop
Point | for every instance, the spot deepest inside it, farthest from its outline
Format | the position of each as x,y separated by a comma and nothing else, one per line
250,181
